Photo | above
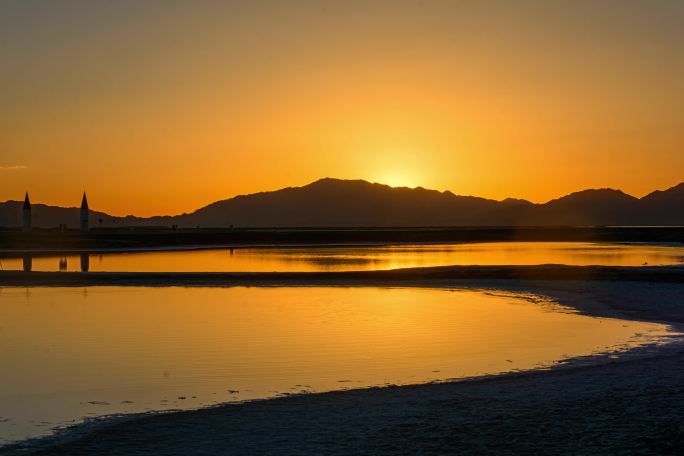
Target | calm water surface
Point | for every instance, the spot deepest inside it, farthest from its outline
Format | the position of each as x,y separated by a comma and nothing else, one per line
70,353
358,258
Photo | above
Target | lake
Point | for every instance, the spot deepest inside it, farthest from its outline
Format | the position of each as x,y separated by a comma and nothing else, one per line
356,258
72,353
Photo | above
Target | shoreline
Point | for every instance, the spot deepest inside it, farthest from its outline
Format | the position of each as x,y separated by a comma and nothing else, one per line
632,301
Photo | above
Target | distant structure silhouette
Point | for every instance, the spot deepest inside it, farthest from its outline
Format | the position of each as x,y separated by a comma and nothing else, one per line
26,219
85,212
85,262
27,261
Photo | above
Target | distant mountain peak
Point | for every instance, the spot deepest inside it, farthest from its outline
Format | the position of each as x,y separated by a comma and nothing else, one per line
595,194
517,201
671,195
677,188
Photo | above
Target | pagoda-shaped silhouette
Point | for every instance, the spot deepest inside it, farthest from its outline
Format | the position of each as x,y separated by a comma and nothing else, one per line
85,212
26,214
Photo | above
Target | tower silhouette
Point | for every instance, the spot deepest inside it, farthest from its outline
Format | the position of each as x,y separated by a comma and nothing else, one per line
26,219
85,212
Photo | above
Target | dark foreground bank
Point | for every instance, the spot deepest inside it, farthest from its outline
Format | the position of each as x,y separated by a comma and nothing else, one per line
150,238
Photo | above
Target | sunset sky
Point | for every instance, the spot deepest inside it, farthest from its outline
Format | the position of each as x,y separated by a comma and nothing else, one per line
160,107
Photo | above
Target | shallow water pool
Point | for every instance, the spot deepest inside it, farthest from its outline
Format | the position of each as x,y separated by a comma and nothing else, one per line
71,353
356,258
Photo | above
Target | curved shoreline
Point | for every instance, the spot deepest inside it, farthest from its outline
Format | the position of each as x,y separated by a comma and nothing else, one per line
157,432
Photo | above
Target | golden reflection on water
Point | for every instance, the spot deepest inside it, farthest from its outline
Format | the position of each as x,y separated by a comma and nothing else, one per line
359,258
68,352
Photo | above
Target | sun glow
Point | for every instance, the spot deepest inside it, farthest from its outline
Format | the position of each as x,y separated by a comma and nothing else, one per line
398,178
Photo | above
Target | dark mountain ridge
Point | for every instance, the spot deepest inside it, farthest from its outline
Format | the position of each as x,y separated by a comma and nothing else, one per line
357,203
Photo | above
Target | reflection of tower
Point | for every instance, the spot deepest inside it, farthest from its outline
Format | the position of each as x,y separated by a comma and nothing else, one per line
26,212
28,263
63,263
85,262
84,213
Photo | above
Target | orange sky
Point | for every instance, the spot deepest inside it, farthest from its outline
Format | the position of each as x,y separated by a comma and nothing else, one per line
162,107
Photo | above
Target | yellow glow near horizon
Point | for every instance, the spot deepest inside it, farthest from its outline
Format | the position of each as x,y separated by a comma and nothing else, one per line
398,178
161,108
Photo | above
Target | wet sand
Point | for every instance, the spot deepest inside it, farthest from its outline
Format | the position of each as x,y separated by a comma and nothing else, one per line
629,405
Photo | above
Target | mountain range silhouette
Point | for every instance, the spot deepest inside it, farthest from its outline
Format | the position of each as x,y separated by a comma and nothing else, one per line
357,203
